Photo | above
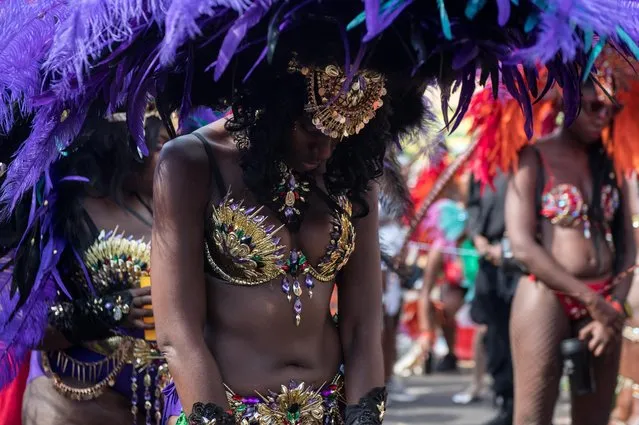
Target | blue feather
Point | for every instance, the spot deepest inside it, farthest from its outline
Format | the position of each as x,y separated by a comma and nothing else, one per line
443,16
594,53
630,43
473,7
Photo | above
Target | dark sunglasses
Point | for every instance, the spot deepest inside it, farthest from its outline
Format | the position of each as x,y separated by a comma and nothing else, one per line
596,107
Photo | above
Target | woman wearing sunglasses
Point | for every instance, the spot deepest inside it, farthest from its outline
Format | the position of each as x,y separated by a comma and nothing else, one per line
568,220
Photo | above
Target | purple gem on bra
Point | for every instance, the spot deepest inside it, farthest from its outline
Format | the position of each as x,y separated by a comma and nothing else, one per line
309,281
286,286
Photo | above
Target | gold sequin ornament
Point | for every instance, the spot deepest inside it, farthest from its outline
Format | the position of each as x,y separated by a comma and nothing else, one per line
115,262
340,107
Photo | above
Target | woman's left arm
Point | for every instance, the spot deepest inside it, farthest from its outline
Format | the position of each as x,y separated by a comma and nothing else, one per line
628,251
360,308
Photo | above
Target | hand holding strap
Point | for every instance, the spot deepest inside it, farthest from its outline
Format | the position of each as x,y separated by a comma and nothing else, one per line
369,411
209,414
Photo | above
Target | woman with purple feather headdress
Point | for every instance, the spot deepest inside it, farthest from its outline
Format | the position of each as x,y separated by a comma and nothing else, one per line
270,199
74,296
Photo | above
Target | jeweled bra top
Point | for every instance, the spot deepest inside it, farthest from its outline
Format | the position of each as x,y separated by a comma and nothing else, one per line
113,263
242,250
564,205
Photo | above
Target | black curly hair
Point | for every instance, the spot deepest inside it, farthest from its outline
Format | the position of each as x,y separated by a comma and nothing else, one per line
266,106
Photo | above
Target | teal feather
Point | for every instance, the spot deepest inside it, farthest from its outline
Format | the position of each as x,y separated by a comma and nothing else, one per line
387,6
452,219
594,53
531,23
358,20
630,43
443,16
588,38
473,7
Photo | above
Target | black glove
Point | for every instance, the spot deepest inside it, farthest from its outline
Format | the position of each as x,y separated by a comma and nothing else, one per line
209,414
370,409
90,319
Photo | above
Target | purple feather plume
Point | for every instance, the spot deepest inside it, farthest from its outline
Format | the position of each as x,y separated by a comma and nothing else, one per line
26,32
51,133
556,29
236,34
377,22
94,26
124,50
22,330
181,22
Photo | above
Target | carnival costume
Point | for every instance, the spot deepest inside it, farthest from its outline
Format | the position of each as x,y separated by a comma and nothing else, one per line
495,125
82,276
62,57
445,224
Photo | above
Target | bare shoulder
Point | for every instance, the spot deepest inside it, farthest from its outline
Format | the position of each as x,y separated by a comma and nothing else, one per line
187,155
529,156
182,175
181,158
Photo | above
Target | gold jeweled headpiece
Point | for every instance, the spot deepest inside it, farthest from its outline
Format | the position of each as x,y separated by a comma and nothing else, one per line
339,111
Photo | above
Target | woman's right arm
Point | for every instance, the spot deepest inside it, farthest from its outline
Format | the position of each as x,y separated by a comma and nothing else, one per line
521,225
180,198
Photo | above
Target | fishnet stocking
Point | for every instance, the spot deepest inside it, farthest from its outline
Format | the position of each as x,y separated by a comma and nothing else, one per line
537,327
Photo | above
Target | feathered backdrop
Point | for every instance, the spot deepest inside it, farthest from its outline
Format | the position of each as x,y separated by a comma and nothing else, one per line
498,122
62,56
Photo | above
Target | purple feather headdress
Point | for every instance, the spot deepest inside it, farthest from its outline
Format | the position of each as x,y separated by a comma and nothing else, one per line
22,325
120,53
26,30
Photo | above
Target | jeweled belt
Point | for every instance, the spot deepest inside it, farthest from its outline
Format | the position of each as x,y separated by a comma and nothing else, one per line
149,369
296,404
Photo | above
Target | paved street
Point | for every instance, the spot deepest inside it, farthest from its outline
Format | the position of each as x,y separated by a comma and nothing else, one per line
434,405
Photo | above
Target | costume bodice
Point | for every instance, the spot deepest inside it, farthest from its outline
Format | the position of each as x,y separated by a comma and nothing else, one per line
242,250
116,262
564,205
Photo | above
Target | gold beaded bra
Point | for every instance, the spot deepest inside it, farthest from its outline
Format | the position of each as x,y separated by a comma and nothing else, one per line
242,250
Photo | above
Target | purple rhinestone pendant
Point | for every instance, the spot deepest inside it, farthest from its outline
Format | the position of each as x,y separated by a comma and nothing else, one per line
286,288
298,310
310,284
